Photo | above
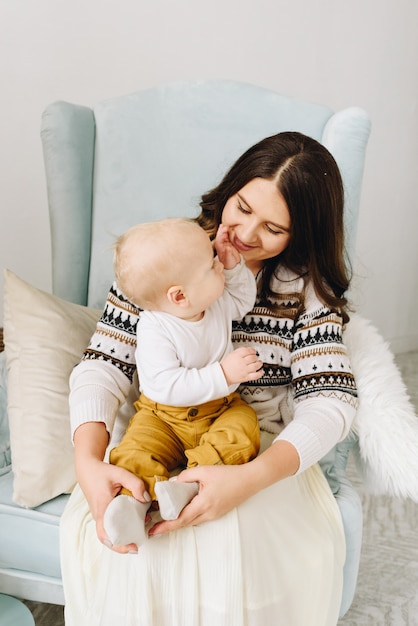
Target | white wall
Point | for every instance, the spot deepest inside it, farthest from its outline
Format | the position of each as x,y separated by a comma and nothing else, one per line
362,52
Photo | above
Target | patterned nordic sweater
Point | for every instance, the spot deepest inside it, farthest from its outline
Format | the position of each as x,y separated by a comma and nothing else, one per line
307,394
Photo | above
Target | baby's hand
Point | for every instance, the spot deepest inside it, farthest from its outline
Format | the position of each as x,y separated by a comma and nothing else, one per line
227,254
242,365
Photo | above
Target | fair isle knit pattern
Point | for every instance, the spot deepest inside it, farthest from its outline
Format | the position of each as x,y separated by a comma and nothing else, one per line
320,363
306,352
114,340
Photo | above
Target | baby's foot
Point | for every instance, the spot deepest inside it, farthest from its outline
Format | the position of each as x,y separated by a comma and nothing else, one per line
124,521
173,496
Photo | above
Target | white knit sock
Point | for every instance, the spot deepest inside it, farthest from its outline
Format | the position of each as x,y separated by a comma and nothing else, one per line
173,496
124,520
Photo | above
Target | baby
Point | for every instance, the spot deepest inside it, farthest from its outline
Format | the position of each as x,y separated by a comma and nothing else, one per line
189,412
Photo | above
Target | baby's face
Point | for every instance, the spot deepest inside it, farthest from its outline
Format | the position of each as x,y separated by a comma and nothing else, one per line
206,281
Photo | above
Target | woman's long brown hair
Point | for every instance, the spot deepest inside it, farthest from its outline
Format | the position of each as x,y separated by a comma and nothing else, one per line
310,182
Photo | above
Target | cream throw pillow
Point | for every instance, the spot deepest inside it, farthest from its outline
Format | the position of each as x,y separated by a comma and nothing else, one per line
44,338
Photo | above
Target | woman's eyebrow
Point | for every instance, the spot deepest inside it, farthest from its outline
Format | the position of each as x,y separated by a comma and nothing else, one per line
243,200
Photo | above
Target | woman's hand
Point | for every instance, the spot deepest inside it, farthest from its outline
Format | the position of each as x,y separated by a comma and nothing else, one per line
223,487
101,481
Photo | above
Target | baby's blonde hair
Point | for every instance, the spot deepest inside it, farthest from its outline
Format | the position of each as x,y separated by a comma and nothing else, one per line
152,256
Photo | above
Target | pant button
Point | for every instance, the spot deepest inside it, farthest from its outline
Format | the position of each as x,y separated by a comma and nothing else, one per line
193,412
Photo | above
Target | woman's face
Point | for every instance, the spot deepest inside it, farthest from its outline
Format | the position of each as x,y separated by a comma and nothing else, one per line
258,221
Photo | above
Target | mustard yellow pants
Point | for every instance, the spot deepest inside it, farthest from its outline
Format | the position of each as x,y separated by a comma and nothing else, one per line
161,438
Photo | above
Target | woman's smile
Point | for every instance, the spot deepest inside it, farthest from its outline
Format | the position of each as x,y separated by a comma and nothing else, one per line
240,245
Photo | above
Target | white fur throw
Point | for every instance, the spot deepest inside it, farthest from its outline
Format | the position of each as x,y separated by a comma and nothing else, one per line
386,423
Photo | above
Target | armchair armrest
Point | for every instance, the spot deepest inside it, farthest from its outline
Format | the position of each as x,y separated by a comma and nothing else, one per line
334,466
5,458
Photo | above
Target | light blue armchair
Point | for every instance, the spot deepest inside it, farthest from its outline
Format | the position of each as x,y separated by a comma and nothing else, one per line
140,157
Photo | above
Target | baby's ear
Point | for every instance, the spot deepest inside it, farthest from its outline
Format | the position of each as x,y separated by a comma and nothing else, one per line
176,296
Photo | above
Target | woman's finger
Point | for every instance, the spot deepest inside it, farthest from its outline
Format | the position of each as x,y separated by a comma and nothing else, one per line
190,516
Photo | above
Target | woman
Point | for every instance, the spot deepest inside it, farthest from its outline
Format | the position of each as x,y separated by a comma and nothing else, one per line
275,552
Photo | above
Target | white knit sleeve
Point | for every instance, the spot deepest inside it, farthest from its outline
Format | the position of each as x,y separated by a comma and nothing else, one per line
97,390
100,384
318,424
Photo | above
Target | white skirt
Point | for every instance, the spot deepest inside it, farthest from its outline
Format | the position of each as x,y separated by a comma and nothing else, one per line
275,560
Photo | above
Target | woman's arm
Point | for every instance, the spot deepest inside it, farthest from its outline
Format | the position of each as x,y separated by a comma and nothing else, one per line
325,392
99,386
100,383
97,391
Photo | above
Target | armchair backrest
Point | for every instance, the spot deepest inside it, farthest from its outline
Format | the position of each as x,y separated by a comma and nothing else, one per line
152,154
